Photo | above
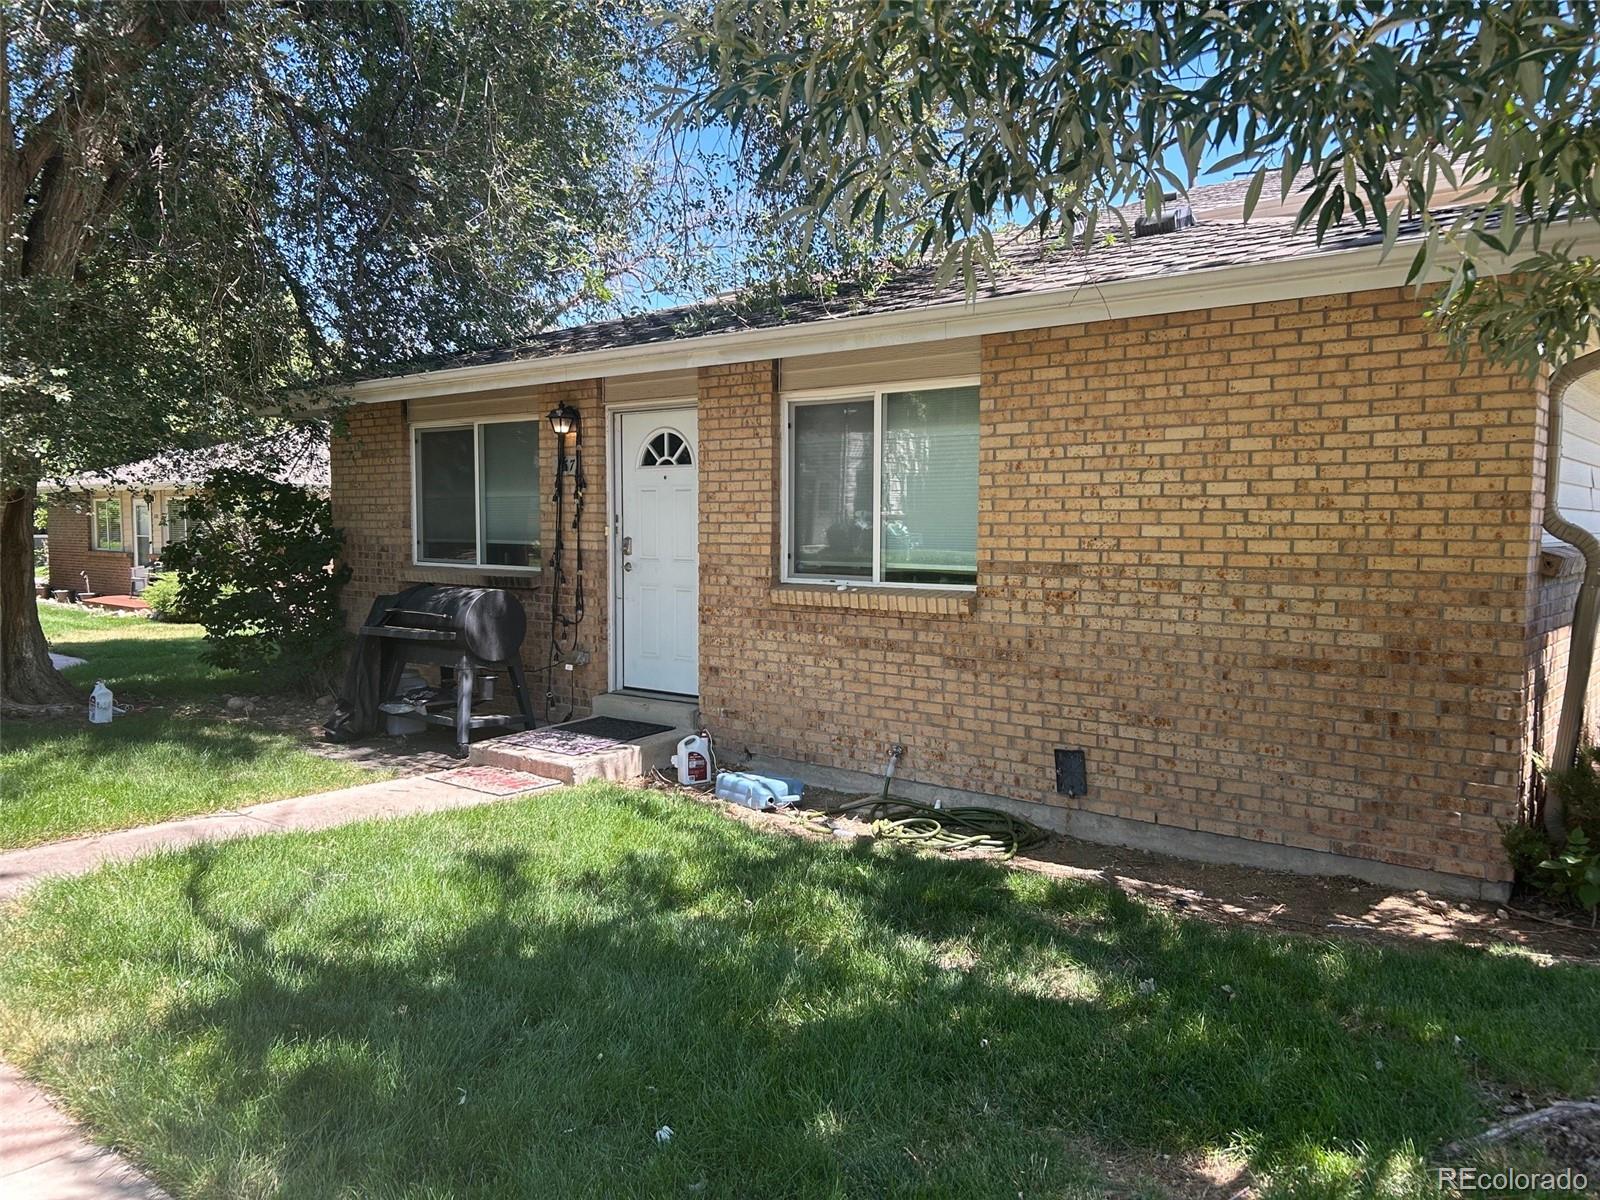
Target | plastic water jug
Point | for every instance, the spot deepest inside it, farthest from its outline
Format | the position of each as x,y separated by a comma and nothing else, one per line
758,791
100,709
693,760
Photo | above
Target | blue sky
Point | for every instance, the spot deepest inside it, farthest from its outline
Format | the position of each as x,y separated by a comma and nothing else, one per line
707,150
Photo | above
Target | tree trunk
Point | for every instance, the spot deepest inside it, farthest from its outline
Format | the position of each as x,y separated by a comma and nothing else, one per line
26,676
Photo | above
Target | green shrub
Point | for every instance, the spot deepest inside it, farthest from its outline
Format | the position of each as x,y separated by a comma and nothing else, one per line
1574,874
1579,786
166,599
1526,846
261,572
1568,869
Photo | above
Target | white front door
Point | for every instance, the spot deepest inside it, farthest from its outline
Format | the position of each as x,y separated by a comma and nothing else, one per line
657,560
141,533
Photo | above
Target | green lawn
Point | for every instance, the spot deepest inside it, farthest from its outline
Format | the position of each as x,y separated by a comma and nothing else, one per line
140,659
67,777
510,1001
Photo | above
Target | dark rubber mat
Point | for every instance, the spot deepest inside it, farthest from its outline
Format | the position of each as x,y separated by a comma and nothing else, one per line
588,736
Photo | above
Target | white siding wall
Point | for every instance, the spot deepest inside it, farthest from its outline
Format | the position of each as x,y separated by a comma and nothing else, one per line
1580,455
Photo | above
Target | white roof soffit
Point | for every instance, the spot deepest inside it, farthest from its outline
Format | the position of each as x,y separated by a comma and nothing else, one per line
1289,279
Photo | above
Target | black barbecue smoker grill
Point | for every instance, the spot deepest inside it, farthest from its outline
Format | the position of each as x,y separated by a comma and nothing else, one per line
460,629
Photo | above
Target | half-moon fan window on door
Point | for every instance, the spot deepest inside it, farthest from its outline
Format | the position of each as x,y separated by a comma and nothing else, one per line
666,449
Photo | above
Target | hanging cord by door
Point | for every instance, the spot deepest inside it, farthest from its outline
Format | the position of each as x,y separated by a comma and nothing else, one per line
564,625
580,485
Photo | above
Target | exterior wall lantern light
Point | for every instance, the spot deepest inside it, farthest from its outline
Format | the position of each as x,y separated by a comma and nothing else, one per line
564,420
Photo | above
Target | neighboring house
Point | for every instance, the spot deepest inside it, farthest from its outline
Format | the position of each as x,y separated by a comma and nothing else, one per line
107,528
1211,506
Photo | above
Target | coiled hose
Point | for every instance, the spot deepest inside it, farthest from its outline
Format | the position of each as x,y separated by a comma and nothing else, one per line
963,827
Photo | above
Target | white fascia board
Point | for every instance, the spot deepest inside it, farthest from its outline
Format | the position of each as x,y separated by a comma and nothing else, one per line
107,486
1254,283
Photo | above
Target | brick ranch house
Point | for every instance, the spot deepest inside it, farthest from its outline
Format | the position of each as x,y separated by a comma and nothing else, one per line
1211,507
106,529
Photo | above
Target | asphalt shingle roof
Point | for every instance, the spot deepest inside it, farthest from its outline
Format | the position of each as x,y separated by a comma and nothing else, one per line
298,456
1029,266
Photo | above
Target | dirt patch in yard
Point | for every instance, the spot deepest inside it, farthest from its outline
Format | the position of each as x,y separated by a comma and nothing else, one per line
1195,1176
1570,1142
1306,904
1535,1136
1332,906
421,754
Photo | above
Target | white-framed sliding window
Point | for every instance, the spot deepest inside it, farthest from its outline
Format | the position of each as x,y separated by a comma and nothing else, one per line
105,522
475,494
177,522
880,485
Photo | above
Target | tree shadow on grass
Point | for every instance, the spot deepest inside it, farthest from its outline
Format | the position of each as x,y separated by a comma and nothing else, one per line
91,746
63,779
513,1018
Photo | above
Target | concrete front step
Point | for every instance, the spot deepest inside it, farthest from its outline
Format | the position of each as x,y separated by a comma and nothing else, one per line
677,711
542,752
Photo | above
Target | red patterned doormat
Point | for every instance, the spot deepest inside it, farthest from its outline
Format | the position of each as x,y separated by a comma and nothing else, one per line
495,781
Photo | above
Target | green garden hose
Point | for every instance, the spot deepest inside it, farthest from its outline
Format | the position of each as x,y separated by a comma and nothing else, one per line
963,827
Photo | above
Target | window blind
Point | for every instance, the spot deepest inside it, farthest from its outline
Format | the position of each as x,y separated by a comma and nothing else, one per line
510,493
930,486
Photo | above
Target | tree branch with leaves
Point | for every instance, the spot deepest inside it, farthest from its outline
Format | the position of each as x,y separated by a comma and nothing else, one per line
207,204
1052,115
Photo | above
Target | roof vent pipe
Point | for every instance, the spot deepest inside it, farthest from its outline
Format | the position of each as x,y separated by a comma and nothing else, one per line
1586,612
1181,217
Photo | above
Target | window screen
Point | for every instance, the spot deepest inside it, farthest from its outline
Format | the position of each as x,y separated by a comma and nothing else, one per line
831,506
902,464
447,519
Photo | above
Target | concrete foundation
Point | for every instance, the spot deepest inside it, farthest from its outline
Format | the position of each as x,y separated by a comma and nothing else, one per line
1160,839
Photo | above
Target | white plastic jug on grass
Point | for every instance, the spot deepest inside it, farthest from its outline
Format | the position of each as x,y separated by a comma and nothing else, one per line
101,708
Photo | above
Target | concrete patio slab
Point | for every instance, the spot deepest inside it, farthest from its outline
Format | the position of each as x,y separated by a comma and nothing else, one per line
571,753
125,604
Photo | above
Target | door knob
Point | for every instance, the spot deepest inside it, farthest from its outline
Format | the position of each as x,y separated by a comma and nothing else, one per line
627,566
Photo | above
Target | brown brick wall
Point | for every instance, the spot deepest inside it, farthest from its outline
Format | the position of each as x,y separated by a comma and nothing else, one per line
371,491
68,534
1271,566
1268,565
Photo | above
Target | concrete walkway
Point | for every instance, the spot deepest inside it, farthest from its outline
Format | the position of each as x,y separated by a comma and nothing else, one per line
43,1154
21,869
